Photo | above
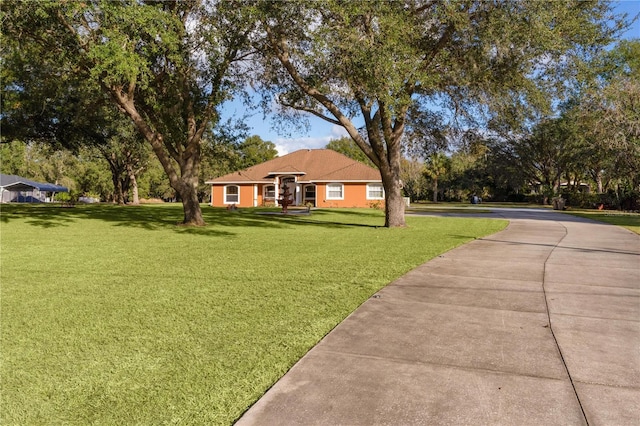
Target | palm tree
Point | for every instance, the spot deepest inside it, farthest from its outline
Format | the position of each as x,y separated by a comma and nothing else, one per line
435,166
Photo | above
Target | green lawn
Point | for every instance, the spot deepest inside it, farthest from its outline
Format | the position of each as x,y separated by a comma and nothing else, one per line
631,221
115,315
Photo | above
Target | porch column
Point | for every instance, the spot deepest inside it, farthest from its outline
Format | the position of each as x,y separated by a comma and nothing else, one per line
255,195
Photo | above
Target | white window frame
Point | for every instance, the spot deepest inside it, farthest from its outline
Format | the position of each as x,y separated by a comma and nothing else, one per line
329,190
370,186
275,193
315,189
226,194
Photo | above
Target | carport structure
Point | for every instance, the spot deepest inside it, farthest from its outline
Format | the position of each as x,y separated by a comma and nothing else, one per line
22,190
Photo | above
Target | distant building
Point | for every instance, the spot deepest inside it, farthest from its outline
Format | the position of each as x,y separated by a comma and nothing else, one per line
16,189
582,187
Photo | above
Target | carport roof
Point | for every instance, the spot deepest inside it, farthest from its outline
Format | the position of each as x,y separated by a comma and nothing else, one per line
18,183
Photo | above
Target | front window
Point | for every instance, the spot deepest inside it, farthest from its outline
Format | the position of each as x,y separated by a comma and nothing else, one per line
231,194
310,192
375,191
335,191
270,192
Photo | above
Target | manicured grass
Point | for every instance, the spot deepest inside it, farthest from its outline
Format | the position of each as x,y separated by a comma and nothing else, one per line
115,315
631,221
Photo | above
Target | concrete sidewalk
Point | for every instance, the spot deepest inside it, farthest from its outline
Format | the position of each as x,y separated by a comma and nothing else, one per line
536,325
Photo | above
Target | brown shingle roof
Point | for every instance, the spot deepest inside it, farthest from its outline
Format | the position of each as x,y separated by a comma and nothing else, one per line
314,165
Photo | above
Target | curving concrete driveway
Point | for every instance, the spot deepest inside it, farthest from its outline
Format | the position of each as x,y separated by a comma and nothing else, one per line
536,325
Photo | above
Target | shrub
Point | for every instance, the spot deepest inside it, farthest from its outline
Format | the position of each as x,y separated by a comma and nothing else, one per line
582,200
378,205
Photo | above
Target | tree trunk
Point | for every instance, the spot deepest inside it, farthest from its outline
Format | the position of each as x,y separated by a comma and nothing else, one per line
189,196
435,190
599,182
186,188
116,171
118,193
393,203
134,187
186,184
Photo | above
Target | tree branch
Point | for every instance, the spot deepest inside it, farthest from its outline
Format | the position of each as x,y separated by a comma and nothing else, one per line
282,53
156,140
425,6
309,110
444,39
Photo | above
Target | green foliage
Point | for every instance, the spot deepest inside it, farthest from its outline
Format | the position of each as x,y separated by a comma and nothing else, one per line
167,65
434,168
595,139
153,184
39,163
255,151
497,63
583,200
63,197
102,332
224,153
413,179
91,176
348,147
13,158
437,165
607,119
67,198
85,171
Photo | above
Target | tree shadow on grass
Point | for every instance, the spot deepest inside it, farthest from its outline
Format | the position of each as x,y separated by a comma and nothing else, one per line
323,218
150,218
324,223
168,216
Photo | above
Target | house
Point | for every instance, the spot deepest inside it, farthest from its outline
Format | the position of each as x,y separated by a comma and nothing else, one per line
582,187
314,177
21,190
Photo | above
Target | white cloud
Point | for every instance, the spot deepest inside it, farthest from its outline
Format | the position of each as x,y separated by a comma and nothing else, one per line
286,146
338,132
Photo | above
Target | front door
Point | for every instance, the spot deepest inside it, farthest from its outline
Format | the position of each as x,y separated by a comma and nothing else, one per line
291,183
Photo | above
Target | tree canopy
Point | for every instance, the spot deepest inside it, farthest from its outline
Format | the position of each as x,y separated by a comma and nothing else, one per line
393,74
167,65
372,62
348,147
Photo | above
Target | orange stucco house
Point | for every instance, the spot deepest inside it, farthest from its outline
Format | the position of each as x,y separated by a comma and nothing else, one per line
316,177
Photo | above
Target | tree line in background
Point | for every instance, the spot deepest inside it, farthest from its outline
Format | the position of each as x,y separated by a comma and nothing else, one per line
588,153
471,88
111,174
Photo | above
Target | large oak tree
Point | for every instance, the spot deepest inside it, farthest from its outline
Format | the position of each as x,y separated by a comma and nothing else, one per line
365,65
167,65
607,115
69,113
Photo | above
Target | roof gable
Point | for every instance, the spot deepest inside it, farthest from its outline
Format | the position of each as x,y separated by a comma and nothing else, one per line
314,164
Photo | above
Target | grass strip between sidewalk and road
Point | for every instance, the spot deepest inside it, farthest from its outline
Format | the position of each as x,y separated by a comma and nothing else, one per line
115,315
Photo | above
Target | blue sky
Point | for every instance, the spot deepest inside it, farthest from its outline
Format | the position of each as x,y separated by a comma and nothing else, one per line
319,132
